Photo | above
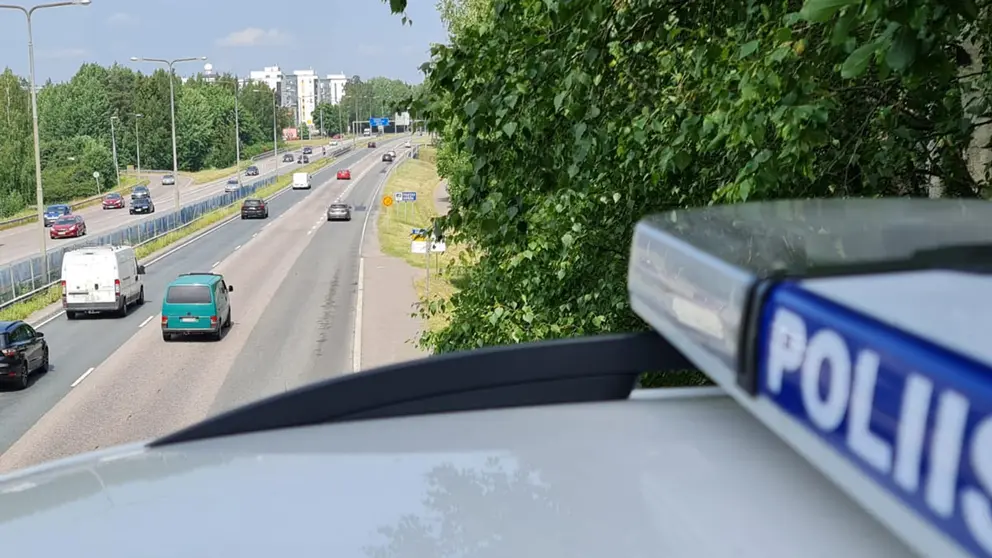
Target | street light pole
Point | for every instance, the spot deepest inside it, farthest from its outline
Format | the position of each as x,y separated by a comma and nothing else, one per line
172,108
275,133
39,192
237,132
113,143
137,143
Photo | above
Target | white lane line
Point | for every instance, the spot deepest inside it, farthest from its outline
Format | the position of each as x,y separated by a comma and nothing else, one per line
356,345
254,235
215,265
80,379
238,247
148,319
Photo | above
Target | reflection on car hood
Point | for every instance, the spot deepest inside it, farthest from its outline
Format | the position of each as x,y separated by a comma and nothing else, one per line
632,478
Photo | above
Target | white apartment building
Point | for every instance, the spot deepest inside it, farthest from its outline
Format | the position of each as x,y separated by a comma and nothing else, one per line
306,94
270,75
332,88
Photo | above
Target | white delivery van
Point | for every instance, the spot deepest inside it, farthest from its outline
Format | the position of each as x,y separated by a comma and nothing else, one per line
301,181
101,279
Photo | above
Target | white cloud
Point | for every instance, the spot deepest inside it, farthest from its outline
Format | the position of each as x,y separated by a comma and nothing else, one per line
63,53
121,19
253,36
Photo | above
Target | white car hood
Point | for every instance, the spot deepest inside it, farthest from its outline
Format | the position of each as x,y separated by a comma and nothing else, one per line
631,479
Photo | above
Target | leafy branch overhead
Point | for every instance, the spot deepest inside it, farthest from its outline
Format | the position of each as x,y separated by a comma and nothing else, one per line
563,123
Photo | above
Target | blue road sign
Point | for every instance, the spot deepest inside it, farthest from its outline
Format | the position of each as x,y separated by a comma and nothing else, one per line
408,196
384,121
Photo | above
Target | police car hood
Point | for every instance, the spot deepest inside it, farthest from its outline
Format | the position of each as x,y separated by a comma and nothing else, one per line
628,478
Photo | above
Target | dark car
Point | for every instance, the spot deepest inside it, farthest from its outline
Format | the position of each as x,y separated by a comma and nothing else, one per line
142,205
254,208
339,212
251,171
68,226
371,145
288,158
387,158
114,201
140,192
53,212
22,351
308,151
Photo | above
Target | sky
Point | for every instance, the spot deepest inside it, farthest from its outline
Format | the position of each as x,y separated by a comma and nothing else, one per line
351,37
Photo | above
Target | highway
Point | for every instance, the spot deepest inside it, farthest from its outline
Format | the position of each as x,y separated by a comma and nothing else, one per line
114,380
23,242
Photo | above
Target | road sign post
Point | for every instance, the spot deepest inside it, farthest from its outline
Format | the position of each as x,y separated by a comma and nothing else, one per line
96,176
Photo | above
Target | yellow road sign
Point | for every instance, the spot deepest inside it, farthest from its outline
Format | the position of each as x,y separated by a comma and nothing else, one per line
387,200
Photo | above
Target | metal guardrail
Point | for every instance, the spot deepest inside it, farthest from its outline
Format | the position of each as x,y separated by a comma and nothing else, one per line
24,278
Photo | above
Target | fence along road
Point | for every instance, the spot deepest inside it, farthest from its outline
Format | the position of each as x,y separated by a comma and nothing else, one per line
21,269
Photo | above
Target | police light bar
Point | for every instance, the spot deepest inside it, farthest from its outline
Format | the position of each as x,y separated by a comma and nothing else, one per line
859,331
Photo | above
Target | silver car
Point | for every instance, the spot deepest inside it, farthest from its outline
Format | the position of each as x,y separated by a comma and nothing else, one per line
168,180
232,186
339,212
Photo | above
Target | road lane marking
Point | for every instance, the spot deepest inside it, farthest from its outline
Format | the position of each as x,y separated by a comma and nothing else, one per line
238,247
356,344
83,377
148,319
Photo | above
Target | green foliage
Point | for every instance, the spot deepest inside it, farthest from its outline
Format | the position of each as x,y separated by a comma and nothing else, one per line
563,123
375,97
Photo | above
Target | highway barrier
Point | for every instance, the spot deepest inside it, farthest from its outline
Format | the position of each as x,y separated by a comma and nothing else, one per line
78,204
24,278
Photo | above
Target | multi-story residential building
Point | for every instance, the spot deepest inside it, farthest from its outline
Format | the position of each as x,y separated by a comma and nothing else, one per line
270,76
332,88
306,94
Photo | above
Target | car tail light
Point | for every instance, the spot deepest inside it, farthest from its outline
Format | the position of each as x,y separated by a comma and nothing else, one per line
165,321
117,287
64,303
213,320
10,352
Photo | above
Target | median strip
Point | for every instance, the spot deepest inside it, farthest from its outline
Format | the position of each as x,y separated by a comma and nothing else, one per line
23,309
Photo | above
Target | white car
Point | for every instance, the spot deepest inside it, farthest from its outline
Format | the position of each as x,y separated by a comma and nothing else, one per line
101,279
301,181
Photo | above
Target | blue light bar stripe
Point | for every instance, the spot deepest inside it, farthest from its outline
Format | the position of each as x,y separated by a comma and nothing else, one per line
913,416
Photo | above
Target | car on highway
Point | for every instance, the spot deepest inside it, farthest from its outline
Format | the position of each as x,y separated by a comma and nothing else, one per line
303,160
302,181
142,205
68,226
196,304
232,185
168,180
254,208
344,174
288,158
140,192
308,150
333,143
114,200
407,144
371,145
23,351
101,279
387,158
251,171
53,212
339,212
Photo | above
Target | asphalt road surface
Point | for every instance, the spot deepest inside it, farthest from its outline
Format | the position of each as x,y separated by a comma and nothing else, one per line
24,241
114,380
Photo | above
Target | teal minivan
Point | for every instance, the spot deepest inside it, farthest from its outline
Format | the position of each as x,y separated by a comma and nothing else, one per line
196,304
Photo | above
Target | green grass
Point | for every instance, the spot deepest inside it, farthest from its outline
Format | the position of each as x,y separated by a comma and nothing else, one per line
210,175
23,309
395,222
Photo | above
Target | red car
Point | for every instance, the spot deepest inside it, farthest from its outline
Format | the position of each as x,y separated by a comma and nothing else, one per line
68,225
344,174
113,201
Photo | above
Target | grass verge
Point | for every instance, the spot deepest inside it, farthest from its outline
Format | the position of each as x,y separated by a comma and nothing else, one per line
30,213
395,223
211,175
25,308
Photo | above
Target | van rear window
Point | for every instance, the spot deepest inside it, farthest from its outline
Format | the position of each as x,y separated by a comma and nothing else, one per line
188,294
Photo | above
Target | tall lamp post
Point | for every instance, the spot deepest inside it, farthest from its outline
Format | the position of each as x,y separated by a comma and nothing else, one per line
113,143
137,143
38,192
172,107
237,131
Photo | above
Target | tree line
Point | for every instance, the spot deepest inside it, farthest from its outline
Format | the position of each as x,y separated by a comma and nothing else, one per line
561,124
76,119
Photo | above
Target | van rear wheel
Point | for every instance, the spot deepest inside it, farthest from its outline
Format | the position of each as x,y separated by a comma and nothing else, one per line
141,296
69,314
122,309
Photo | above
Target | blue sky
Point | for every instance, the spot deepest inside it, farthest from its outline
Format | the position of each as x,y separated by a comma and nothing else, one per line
332,36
